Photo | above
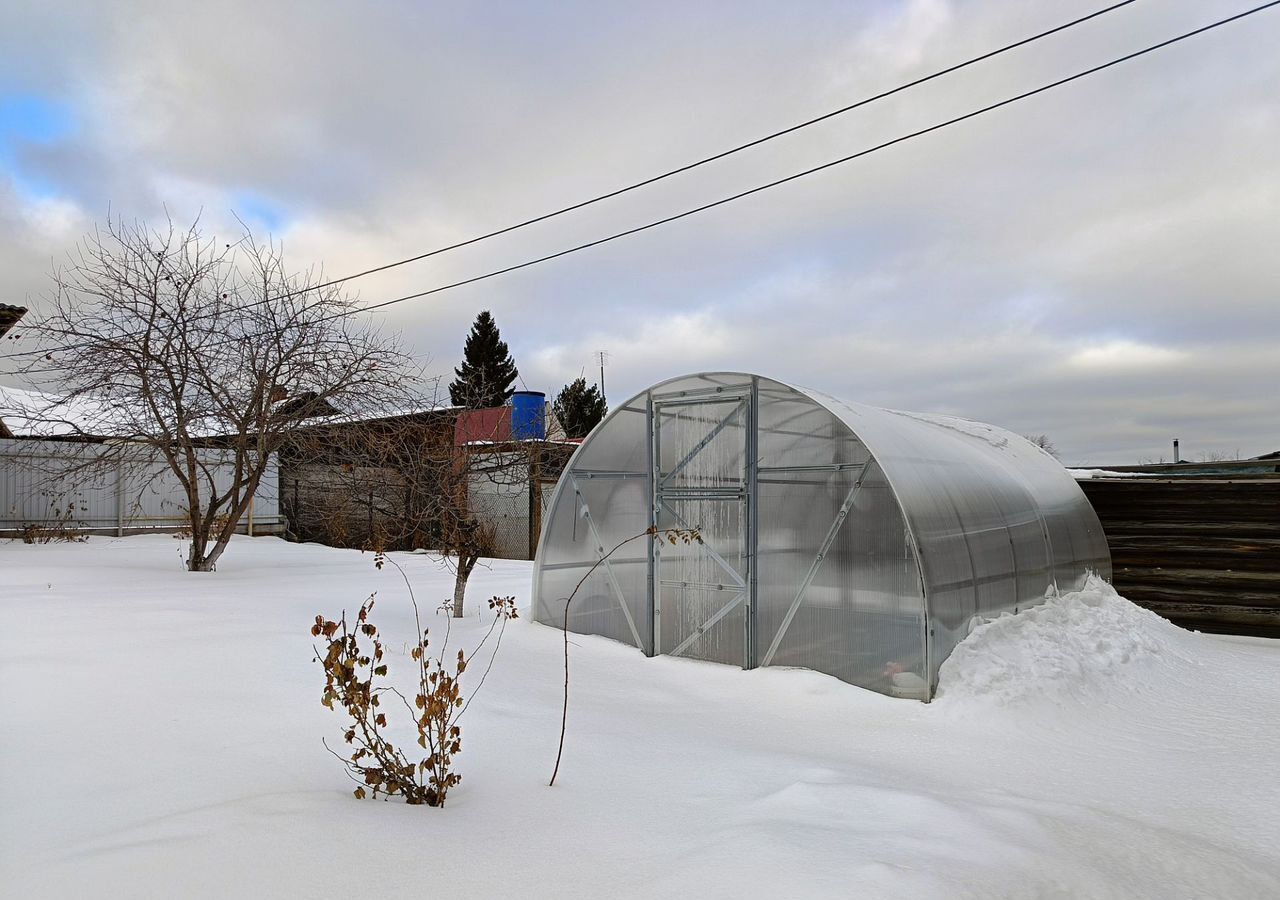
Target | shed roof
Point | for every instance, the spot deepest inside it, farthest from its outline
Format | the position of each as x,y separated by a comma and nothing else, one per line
9,316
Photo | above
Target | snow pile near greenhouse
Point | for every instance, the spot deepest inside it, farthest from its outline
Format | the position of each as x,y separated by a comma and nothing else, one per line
1083,645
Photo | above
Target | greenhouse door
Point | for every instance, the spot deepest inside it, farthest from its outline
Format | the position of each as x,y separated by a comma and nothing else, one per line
703,444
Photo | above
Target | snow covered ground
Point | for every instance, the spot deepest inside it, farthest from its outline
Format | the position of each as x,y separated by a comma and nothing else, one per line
160,737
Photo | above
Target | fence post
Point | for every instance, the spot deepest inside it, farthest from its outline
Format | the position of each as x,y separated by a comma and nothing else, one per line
119,500
535,501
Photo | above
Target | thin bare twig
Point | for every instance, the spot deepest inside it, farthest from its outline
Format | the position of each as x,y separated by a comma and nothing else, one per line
672,535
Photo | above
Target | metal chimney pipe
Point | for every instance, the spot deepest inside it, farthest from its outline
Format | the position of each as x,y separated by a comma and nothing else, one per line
1175,451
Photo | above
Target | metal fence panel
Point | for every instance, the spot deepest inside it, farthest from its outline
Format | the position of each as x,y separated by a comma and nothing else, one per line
41,483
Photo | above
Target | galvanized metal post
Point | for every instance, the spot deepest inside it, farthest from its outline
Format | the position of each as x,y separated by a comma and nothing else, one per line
651,578
119,501
751,650
532,524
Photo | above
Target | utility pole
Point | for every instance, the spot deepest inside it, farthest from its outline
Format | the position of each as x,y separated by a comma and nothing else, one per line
603,357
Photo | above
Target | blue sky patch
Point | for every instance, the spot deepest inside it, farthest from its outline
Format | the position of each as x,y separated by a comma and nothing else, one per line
258,210
34,119
29,119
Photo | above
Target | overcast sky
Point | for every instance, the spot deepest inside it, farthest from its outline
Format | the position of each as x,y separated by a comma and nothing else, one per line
1100,263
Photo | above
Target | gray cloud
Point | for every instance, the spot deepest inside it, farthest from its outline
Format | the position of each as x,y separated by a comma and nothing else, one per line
1096,263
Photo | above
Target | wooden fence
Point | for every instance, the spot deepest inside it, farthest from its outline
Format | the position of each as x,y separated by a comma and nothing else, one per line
1200,550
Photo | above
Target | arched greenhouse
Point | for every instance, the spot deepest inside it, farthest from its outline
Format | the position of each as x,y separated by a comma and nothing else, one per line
857,541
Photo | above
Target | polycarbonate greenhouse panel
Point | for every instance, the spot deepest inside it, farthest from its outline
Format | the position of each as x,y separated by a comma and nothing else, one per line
839,588
972,495
856,541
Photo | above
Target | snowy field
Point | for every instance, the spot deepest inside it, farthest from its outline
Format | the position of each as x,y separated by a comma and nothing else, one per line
161,738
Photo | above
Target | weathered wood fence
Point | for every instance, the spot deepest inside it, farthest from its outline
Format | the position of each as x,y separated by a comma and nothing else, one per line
1200,550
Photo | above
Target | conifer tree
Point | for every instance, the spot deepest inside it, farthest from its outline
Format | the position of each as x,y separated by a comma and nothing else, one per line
487,372
579,408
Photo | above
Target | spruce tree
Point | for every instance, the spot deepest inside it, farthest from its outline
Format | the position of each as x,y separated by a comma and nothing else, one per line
579,408
487,372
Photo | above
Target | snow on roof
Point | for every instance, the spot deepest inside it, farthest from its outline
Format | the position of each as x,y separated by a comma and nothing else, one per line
9,316
571,442
29,413
1086,474
39,414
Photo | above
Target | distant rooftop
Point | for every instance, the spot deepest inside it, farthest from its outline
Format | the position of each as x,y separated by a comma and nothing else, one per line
9,316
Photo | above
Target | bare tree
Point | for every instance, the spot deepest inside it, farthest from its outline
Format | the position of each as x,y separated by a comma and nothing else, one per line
167,343
1042,441
1212,456
464,538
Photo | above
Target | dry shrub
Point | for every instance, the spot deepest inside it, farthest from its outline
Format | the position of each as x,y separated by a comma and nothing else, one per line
336,516
355,671
51,534
184,532
63,529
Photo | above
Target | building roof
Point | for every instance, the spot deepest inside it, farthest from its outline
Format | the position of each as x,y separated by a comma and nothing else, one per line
28,413
9,316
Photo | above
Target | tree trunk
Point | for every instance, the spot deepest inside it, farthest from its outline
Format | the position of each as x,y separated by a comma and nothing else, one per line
459,592
199,538
203,565
465,565
212,559
195,555
196,561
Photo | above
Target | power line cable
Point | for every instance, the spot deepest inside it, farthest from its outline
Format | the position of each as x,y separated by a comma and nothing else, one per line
724,153
810,171
824,166
688,166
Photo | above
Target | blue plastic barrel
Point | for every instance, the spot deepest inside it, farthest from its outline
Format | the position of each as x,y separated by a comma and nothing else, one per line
528,421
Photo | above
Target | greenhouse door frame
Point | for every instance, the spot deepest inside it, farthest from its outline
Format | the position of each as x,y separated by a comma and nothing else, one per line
742,403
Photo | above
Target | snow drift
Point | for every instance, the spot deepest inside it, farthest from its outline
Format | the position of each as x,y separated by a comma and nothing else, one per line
1083,645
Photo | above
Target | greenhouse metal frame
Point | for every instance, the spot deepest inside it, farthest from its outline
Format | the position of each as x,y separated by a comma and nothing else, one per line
857,541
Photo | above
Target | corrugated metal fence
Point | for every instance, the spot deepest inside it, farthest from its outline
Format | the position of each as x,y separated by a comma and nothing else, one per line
46,483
